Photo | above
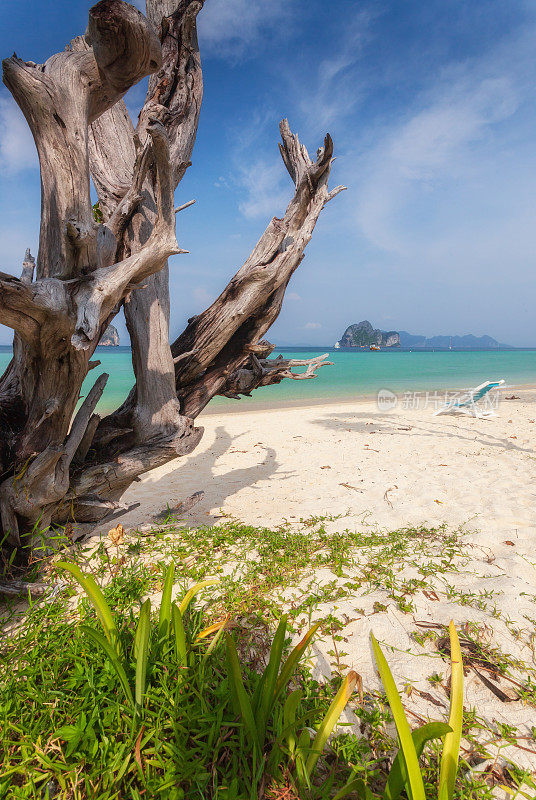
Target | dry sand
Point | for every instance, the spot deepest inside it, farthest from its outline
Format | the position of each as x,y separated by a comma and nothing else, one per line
394,469
266,466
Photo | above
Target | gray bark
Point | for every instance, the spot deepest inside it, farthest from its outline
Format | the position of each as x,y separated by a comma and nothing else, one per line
58,466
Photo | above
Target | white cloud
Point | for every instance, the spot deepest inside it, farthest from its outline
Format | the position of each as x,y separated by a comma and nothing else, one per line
231,28
221,183
330,93
292,296
437,134
449,184
17,148
312,326
266,192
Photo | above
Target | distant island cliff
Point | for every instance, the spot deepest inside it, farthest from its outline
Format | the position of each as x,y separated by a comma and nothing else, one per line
110,337
363,334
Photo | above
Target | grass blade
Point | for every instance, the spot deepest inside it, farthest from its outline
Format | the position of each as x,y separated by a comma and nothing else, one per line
269,678
102,642
289,719
395,781
244,704
302,751
185,602
164,616
411,762
292,661
141,650
330,720
451,745
104,614
215,641
180,635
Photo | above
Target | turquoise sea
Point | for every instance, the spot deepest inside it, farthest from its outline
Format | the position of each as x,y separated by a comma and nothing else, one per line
355,374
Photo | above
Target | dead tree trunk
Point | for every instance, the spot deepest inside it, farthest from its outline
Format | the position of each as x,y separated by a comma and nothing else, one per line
57,465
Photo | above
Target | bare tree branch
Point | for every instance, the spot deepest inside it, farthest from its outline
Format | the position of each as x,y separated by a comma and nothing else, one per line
28,267
58,99
95,298
251,302
174,97
258,372
59,464
45,479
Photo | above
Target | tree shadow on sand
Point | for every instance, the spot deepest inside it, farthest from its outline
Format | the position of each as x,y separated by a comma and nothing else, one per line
366,422
200,472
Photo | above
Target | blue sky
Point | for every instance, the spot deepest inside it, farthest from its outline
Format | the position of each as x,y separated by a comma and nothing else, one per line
431,105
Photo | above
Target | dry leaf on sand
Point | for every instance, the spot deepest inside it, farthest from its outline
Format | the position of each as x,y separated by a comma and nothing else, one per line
117,535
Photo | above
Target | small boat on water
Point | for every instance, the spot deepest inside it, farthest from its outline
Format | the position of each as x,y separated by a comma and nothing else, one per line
337,345
374,347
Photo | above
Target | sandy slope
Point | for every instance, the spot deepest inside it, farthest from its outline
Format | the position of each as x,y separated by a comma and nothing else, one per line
389,470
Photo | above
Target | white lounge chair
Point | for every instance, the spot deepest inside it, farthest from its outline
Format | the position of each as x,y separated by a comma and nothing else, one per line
467,402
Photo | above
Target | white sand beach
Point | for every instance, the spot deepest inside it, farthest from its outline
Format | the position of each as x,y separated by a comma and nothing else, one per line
386,471
402,467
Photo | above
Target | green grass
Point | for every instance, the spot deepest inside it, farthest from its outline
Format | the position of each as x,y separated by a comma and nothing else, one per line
188,742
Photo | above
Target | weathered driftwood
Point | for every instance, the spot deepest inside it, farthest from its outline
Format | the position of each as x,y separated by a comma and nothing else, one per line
259,370
58,466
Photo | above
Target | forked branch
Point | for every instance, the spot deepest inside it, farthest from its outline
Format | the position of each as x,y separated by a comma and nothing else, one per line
252,300
263,371
106,287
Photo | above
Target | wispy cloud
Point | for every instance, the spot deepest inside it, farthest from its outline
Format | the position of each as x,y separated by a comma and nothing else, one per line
445,184
231,28
319,96
261,182
265,193
312,326
17,148
333,87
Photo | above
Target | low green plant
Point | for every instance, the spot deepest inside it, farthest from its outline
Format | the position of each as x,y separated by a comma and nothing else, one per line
308,753
255,710
406,772
134,656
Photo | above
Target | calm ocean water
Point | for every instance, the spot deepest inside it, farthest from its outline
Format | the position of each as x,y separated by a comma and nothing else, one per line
354,374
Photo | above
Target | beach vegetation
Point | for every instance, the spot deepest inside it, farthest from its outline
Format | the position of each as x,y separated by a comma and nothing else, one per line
259,714
169,725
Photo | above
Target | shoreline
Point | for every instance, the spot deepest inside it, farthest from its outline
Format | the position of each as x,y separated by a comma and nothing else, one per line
242,406
314,402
